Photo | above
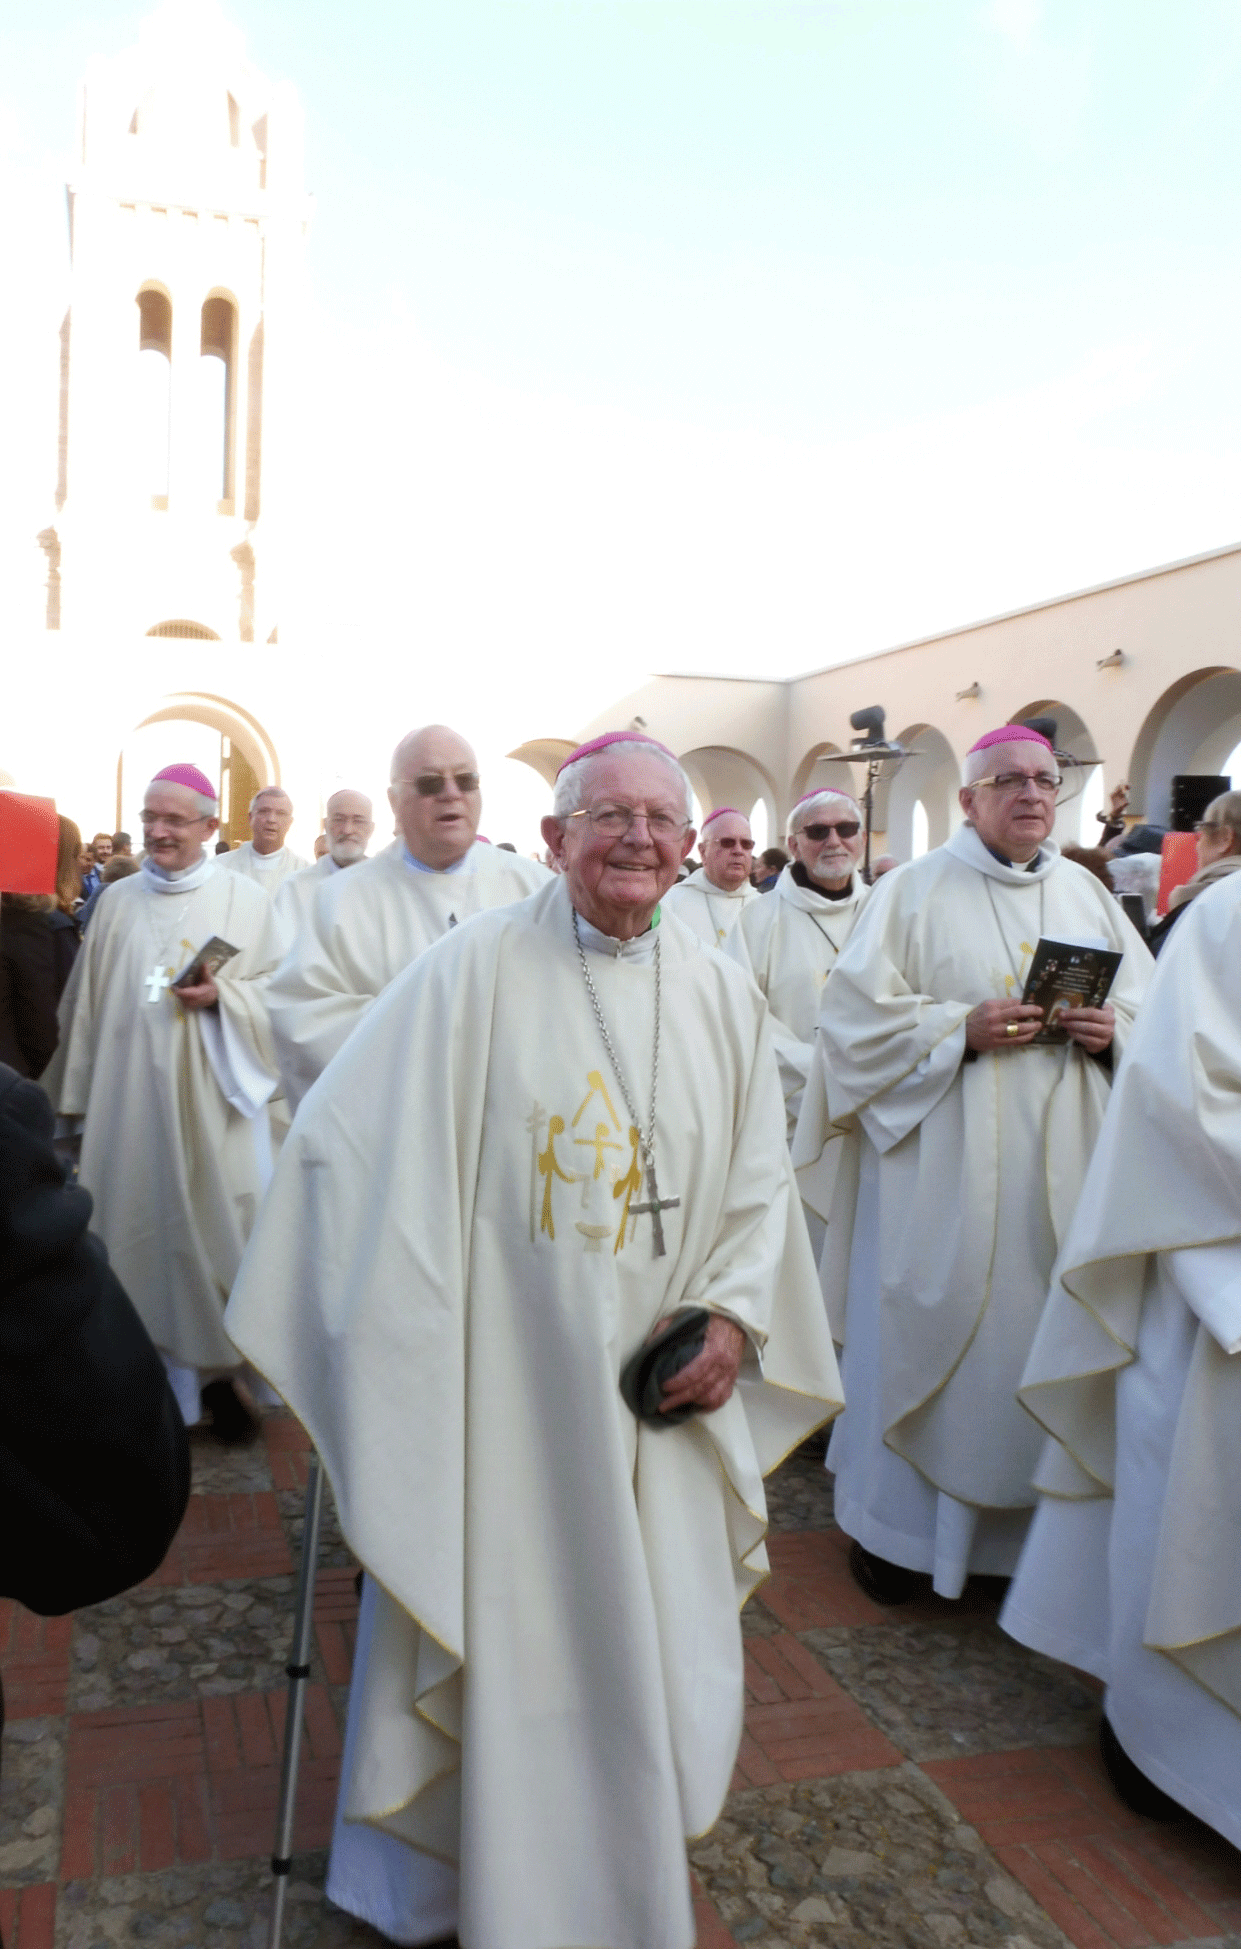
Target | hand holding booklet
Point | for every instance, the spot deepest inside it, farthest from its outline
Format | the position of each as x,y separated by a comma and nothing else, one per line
1068,974
208,960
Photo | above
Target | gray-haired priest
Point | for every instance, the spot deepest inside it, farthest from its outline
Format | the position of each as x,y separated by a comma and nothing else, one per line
947,1149
363,928
559,1131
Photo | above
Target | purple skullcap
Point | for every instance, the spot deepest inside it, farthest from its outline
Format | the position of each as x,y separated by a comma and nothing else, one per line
825,792
719,813
1010,734
187,775
615,737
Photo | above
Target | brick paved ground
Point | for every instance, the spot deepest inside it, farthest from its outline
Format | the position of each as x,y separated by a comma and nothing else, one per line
907,1777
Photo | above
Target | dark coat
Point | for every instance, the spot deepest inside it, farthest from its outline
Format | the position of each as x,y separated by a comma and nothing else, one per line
37,950
94,1457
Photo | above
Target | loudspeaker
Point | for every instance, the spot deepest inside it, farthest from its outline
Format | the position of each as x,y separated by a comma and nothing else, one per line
1192,792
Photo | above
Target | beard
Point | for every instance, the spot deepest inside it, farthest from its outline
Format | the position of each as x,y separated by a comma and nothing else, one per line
347,852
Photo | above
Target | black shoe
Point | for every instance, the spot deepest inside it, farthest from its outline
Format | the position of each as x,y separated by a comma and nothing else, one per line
883,1583
231,1420
1139,1794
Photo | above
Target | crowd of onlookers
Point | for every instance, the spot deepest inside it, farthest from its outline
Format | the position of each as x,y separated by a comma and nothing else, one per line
40,934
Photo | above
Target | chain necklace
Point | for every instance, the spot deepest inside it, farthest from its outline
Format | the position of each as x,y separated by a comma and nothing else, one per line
655,1206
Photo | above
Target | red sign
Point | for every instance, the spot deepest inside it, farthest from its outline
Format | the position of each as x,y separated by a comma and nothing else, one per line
1179,856
29,842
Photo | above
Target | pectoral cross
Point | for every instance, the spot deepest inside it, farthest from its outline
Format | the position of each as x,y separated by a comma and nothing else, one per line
656,1207
157,981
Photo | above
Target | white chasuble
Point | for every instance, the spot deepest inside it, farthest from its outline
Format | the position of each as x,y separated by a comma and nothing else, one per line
447,1277
1133,1565
709,911
789,940
296,896
267,870
175,1165
363,928
947,1185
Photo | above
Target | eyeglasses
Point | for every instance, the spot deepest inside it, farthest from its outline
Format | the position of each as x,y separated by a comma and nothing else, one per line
148,820
746,845
614,821
1045,783
429,784
848,829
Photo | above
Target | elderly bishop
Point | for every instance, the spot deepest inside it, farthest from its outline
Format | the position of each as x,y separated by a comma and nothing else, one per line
711,901
559,1130
946,1149
349,825
169,1086
364,927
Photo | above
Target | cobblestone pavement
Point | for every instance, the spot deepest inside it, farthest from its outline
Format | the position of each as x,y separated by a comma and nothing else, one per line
908,1778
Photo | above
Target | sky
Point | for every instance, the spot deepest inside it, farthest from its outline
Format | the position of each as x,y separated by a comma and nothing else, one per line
718,337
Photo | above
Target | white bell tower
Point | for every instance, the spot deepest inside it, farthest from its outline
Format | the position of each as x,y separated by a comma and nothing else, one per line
179,399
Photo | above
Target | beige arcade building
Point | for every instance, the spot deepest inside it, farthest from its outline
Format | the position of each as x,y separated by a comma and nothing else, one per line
166,558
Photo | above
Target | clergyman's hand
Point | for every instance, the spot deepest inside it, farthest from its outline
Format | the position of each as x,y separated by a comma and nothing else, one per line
987,1026
711,1376
1092,1027
204,993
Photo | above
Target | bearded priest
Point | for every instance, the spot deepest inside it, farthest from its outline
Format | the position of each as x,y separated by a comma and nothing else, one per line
1132,1570
947,1150
789,939
713,899
169,1087
364,927
349,824
557,1131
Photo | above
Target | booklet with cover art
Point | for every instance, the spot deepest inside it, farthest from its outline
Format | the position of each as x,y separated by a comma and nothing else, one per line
1068,974
208,960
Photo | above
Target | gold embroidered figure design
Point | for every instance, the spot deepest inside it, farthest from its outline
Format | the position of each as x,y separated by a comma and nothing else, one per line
597,1088
626,1186
550,1167
600,1142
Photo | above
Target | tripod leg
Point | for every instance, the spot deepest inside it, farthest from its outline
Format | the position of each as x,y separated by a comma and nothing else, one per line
298,1669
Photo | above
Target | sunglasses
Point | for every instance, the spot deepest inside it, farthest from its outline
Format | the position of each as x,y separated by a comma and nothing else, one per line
848,829
429,784
746,845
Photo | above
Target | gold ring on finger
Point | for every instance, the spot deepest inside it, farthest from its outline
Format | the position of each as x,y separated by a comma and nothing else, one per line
1013,1028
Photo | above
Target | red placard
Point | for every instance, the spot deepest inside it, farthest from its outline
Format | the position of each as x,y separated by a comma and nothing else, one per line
29,842
1179,862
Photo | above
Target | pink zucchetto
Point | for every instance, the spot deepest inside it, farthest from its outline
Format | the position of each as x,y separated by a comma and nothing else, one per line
187,775
721,811
615,737
825,792
1010,734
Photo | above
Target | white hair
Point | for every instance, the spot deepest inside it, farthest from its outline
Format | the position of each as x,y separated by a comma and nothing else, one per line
262,794
801,812
571,781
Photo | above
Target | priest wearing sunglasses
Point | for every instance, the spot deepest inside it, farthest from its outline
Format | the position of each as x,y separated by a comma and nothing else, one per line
367,925
712,900
789,941
946,1148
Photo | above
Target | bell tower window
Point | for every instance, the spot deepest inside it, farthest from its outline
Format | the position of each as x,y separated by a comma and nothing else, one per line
218,346
154,389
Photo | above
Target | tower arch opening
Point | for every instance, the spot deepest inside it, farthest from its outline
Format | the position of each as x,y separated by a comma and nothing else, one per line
221,737
218,390
154,384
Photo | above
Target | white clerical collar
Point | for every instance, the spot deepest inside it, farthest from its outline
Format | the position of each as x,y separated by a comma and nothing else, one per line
637,952
183,880
967,846
464,865
266,861
703,882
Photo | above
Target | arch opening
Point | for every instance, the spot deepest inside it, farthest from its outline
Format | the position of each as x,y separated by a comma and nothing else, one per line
917,801
1194,727
220,737
153,404
217,392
